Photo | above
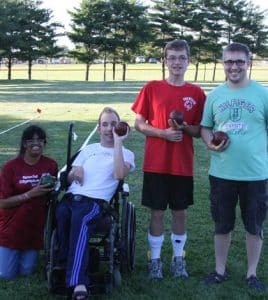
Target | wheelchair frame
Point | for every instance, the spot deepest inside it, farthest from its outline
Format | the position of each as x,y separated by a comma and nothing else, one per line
115,249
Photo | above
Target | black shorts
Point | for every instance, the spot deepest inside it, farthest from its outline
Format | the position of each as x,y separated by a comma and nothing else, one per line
162,190
224,196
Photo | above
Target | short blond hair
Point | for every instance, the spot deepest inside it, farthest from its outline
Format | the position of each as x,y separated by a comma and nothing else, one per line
108,110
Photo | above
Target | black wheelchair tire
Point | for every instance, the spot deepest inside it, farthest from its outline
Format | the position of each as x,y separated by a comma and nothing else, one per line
52,260
128,237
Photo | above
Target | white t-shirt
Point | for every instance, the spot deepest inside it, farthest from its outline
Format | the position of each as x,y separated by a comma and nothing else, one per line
98,164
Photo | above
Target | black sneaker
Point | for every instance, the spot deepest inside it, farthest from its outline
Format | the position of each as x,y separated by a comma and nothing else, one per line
214,278
254,283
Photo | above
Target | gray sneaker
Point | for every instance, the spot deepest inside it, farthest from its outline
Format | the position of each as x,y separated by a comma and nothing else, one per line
178,267
155,269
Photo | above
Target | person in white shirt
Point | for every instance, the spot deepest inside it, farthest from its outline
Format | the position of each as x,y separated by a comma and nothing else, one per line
93,179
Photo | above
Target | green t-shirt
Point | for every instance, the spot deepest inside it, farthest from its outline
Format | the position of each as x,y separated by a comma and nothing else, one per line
243,114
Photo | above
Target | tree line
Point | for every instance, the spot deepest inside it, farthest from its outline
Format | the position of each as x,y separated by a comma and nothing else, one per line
119,30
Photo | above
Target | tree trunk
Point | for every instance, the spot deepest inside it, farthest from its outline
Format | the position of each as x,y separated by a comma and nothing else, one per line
30,63
104,70
205,70
113,70
104,67
163,70
87,72
196,71
9,65
214,71
250,69
124,72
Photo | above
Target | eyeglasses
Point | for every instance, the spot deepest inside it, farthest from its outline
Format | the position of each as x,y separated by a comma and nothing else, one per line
175,58
238,62
35,141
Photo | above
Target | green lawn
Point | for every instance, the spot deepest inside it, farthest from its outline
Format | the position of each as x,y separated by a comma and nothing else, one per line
134,72
63,102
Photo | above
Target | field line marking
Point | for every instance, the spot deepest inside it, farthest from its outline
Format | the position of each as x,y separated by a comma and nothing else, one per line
89,137
18,125
83,146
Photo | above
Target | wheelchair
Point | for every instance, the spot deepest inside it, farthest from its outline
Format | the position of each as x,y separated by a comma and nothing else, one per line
111,249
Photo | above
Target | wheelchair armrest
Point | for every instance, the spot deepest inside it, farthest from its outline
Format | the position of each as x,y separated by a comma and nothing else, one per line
125,189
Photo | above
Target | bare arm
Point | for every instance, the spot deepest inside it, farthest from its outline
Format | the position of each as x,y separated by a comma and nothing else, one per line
169,134
17,200
192,130
121,168
76,174
207,135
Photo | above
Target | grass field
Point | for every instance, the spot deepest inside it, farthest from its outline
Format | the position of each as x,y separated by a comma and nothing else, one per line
141,72
63,102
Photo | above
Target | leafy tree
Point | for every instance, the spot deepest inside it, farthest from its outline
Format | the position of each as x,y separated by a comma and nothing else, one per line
207,28
89,27
243,22
115,27
38,34
162,28
25,32
129,29
10,17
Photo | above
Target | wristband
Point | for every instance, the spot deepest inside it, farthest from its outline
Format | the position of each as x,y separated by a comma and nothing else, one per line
24,196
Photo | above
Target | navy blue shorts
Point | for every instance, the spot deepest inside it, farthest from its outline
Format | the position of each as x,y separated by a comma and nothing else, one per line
162,190
252,198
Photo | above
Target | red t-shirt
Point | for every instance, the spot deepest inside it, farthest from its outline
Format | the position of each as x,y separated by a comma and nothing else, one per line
22,227
155,102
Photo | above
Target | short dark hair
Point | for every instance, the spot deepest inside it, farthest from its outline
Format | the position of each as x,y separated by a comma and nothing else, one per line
108,110
239,47
177,45
28,134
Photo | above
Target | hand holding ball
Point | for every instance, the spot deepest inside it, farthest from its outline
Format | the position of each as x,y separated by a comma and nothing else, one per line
218,137
177,116
48,179
121,128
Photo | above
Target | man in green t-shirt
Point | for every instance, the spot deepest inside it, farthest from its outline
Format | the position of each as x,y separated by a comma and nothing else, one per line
239,166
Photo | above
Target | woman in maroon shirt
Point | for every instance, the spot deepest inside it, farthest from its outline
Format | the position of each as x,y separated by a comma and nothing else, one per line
23,204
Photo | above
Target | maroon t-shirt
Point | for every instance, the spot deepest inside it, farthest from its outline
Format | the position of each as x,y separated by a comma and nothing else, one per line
22,227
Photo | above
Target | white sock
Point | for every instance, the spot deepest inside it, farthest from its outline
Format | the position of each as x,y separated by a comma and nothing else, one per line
178,242
155,244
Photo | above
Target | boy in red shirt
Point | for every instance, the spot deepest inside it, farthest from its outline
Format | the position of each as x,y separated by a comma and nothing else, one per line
168,159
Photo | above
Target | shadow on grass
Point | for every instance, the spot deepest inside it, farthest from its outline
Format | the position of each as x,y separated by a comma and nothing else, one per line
76,91
68,92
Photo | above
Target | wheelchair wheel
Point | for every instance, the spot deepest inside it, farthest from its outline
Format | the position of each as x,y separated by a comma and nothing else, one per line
109,278
128,236
49,228
117,278
52,261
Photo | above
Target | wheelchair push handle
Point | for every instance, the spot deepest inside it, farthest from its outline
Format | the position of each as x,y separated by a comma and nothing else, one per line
69,147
